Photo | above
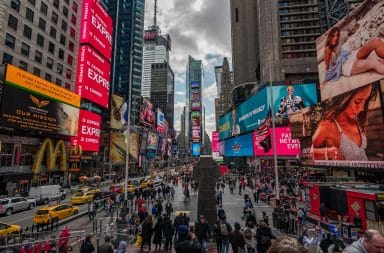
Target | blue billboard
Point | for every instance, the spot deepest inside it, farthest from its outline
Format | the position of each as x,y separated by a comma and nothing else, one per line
195,149
225,123
239,146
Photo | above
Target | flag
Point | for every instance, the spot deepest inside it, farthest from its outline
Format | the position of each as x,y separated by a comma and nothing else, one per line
263,131
124,113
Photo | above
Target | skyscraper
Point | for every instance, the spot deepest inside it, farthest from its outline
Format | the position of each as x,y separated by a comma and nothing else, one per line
194,96
224,87
128,17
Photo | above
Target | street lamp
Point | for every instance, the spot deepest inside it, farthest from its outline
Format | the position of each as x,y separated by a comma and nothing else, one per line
273,128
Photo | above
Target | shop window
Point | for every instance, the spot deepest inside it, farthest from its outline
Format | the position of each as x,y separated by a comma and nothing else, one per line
6,154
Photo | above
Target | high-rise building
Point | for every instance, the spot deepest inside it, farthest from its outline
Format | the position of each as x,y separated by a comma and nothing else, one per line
42,37
128,17
194,94
162,91
245,52
224,87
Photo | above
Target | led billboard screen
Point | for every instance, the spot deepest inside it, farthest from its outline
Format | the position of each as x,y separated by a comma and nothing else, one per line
96,28
88,136
239,146
152,141
215,141
196,149
285,145
160,121
93,76
147,114
116,116
195,84
344,131
118,146
349,55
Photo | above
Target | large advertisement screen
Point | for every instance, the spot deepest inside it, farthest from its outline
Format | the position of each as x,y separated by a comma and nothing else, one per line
93,74
160,121
215,141
152,141
24,110
285,145
239,146
225,123
119,147
88,136
344,131
196,149
116,121
147,114
350,54
96,28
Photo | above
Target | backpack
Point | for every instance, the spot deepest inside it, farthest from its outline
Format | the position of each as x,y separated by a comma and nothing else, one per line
154,210
224,229
248,233
300,240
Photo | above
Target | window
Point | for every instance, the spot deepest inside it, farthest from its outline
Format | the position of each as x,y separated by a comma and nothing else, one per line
72,33
51,48
7,58
33,2
68,86
25,49
29,14
15,4
12,22
70,60
52,32
27,32
63,25
58,81
54,17
68,74
56,3
65,11
23,65
44,8
61,54
40,40
49,62
42,24
48,77
38,56
237,14
62,39
36,71
73,19
59,68
10,41
71,46
74,7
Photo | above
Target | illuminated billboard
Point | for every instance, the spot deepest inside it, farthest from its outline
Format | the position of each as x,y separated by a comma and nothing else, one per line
196,106
147,114
116,119
285,145
195,114
96,28
195,84
143,142
196,134
88,136
152,141
196,149
239,146
160,121
215,141
350,54
344,131
118,148
93,76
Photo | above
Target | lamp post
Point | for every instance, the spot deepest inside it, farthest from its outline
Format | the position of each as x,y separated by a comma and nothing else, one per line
273,128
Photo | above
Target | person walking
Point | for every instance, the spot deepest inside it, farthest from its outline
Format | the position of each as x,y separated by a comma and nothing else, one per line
263,237
187,241
371,242
146,233
249,233
168,231
225,230
106,247
203,233
122,248
87,246
217,235
91,210
158,233
237,240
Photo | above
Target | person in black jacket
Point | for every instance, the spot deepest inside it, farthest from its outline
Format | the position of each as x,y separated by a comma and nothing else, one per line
158,230
87,246
187,241
263,237
217,235
146,233
168,232
203,233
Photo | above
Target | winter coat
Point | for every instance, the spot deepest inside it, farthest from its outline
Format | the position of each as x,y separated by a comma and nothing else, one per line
262,236
356,247
158,230
147,230
250,243
168,229
202,231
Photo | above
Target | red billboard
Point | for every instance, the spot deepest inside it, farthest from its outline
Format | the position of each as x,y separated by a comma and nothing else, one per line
93,76
285,145
96,28
88,136
215,141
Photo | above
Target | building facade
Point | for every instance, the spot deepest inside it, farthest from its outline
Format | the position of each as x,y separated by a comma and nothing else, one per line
162,91
224,87
128,17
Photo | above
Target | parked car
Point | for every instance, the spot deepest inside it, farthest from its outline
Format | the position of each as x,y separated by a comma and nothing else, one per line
46,193
15,204
48,214
8,229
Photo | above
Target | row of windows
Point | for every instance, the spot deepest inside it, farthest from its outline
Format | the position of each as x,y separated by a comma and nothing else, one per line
299,24
299,2
301,32
30,15
299,17
15,4
303,39
298,55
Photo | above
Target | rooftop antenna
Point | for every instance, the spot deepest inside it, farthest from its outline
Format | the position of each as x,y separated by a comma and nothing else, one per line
155,15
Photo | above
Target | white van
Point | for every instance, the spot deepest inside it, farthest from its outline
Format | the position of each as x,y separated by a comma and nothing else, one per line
45,193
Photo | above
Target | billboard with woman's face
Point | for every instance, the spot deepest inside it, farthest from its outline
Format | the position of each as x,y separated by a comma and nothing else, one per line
344,131
351,54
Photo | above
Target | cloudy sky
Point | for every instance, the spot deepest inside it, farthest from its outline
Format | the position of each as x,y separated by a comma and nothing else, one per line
198,28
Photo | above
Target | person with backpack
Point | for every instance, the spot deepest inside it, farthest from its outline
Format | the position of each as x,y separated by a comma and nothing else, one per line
249,233
87,246
237,240
263,237
225,230
217,235
203,233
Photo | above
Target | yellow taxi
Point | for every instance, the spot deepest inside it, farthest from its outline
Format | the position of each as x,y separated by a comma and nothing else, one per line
144,183
82,197
88,189
54,213
8,229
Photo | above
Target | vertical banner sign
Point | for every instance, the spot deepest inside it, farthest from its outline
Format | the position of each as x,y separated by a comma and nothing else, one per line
88,131
215,141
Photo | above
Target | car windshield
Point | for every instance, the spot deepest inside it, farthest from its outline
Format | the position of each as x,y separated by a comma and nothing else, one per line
42,212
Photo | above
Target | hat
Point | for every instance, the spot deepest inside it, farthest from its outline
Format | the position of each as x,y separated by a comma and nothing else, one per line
202,217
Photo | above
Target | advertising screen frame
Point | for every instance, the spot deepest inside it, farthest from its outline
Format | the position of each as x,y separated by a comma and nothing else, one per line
238,146
147,114
152,141
196,149
215,141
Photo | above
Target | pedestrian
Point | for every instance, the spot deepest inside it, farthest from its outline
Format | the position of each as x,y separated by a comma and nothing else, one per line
87,246
305,240
285,244
168,208
91,210
122,248
146,233
323,212
320,236
225,230
265,218
203,233
371,242
240,187
221,213
158,233
237,240
187,241
256,194
106,247
249,233
217,235
168,232
263,237
64,237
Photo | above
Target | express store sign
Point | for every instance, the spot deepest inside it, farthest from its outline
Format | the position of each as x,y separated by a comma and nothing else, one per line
93,76
96,28
88,136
